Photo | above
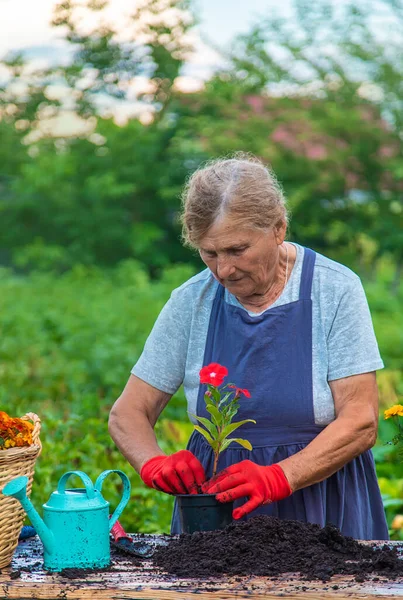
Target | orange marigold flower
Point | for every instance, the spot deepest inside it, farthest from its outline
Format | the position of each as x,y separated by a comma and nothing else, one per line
5,420
14,432
397,522
394,411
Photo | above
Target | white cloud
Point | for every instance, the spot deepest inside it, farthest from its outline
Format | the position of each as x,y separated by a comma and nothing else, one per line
188,84
24,23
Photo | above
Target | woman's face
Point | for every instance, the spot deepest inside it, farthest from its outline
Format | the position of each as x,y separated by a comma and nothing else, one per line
243,260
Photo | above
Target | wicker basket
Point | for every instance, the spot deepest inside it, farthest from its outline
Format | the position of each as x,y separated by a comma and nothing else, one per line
13,463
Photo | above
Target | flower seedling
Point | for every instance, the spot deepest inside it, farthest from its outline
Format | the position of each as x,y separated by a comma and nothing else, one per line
222,402
396,411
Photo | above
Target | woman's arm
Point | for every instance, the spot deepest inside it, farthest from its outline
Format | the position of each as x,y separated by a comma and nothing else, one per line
131,425
132,420
352,432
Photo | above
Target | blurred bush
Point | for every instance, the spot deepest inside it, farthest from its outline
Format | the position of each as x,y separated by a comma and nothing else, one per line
67,346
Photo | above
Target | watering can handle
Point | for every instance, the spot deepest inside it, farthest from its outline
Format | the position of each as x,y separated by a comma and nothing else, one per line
125,496
89,486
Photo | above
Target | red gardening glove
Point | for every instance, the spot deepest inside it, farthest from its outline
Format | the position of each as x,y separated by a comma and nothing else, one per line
180,473
263,485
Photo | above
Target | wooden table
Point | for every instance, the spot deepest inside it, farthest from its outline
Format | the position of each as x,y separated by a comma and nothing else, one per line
25,578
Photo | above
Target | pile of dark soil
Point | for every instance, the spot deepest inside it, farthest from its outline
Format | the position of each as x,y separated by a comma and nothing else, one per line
267,546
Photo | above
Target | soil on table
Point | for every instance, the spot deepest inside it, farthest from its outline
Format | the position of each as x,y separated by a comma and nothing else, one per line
79,573
267,546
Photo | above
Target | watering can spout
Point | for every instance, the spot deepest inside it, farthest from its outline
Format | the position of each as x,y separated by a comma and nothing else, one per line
17,488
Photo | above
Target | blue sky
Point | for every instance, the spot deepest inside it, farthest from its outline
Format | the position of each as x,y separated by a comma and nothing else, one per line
221,19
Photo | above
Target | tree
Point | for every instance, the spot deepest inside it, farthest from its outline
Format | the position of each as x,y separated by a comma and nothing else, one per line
105,59
105,195
341,67
318,96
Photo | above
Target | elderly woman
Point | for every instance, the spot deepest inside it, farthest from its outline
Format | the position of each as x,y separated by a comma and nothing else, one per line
291,326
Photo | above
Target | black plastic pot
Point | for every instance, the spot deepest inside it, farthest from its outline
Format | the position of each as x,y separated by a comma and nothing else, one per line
202,512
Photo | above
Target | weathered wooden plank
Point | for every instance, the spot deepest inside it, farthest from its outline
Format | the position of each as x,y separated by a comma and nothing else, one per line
254,589
127,581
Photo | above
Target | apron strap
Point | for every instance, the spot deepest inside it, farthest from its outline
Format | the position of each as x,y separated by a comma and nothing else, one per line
305,287
219,295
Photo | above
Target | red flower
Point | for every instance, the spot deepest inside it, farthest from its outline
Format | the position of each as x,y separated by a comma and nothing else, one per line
213,374
239,391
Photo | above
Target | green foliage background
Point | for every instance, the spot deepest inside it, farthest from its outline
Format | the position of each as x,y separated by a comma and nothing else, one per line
67,348
89,235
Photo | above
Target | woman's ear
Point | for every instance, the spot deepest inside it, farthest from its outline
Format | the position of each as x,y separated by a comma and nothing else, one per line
280,231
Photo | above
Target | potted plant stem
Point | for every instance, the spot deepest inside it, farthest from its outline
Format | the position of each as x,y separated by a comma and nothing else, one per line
202,512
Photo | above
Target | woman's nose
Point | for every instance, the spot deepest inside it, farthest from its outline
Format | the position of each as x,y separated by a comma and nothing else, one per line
224,268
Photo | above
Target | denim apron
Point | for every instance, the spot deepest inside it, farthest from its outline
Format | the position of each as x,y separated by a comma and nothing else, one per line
271,355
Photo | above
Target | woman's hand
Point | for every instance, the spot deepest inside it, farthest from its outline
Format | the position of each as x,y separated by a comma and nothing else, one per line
180,473
262,485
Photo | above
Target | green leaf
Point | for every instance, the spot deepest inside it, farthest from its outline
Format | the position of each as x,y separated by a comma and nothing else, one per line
205,434
240,441
225,445
230,409
207,424
215,413
233,410
224,399
392,502
245,443
208,400
215,393
230,428
229,414
214,444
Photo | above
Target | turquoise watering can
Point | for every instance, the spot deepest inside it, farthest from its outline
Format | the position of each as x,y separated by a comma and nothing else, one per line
76,524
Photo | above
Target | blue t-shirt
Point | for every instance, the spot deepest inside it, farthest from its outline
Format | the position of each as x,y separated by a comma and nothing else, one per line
343,339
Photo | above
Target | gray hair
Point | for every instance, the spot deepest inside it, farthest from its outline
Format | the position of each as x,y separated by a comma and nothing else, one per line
241,188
